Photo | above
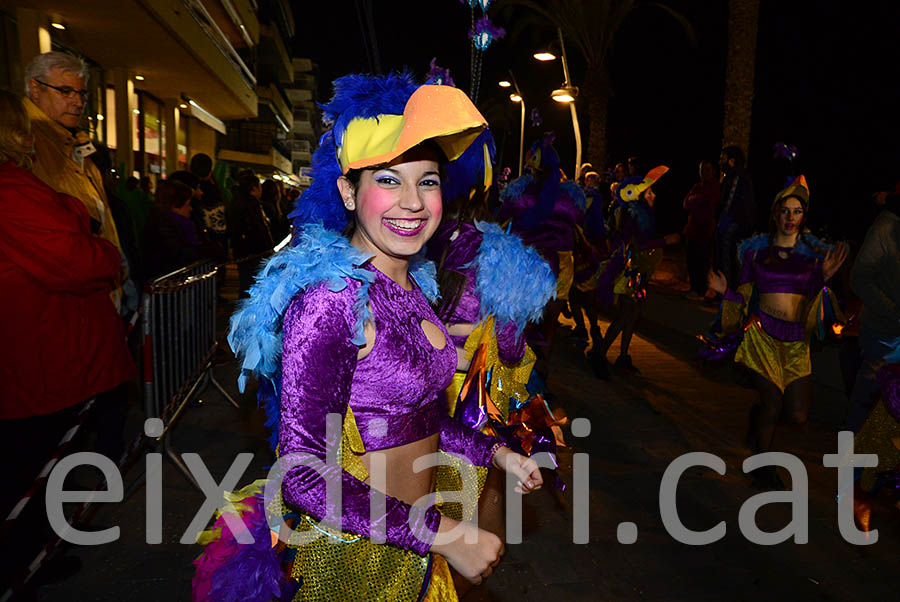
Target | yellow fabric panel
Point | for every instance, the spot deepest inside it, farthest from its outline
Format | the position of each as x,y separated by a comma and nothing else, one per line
441,588
453,390
508,380
780,362
566,275
448,477
352,448
369,137
814,311
733,314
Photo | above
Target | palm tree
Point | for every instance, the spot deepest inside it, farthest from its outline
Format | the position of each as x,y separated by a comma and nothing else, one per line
743,22
591,26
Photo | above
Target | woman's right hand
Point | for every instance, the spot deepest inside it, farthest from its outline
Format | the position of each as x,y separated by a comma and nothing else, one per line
474,561
717,282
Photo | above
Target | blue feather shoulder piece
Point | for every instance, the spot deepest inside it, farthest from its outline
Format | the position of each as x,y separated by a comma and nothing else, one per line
424,272
754,243
512,281
320,256
575,193
807,245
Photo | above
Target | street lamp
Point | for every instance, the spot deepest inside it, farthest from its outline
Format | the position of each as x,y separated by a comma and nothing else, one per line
566,94
517,97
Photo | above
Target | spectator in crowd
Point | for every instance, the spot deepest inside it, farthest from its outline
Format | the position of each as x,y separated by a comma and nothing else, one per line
124,225
250,234
270,199
582,171
171,241
700,203
140,206
735,212
876,281
147,185
620,172
55,86
634,167
64,340
212,203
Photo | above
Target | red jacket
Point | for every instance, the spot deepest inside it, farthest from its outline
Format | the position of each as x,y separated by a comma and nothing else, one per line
701,203
63,339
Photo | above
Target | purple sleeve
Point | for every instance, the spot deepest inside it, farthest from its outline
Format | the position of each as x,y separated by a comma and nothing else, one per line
317,366
748,274
511,347
459,438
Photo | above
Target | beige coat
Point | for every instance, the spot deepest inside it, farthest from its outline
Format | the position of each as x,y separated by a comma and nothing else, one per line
55,166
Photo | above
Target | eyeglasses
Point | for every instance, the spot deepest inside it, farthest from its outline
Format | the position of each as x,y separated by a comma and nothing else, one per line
66,91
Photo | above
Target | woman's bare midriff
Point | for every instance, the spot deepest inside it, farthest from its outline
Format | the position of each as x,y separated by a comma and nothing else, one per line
784,306
399,479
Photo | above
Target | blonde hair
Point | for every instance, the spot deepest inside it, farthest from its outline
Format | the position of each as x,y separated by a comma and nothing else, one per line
15,131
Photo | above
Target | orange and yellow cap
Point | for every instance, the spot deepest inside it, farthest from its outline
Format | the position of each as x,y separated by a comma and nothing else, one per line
440,113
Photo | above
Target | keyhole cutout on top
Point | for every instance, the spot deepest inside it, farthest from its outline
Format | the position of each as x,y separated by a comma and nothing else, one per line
434,334
783,254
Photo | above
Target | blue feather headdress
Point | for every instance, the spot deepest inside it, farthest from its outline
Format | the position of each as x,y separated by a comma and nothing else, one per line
355,96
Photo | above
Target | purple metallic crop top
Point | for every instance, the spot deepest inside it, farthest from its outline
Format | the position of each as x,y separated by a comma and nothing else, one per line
782,270
401,380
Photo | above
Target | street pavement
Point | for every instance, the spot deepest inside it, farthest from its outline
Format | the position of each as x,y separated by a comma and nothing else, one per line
638,426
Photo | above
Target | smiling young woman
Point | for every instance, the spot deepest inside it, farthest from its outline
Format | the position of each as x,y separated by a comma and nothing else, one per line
339,325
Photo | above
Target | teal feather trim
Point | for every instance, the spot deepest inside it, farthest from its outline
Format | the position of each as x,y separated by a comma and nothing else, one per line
424,273
807,245
320,256
513,281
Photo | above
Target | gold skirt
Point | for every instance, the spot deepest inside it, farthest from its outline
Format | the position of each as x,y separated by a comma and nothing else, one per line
779,361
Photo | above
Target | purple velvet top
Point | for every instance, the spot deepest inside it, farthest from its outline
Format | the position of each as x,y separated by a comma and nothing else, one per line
401,381
556,232
461,252
798,274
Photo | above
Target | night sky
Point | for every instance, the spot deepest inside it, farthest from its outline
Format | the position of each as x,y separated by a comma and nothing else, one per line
825,81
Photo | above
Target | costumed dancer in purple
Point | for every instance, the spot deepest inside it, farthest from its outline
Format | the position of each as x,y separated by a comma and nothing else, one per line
543,209
339,330
781,301
635,252
491,287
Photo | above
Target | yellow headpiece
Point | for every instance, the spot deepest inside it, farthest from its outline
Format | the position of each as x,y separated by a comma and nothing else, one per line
440,113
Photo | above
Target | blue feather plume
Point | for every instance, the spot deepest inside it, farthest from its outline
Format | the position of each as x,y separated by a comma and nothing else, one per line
516,188
321,203
513,281
467,172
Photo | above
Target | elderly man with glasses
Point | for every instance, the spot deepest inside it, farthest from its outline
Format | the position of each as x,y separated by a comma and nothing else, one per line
55,98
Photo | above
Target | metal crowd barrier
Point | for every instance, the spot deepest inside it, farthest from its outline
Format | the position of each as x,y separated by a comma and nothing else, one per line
179,311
